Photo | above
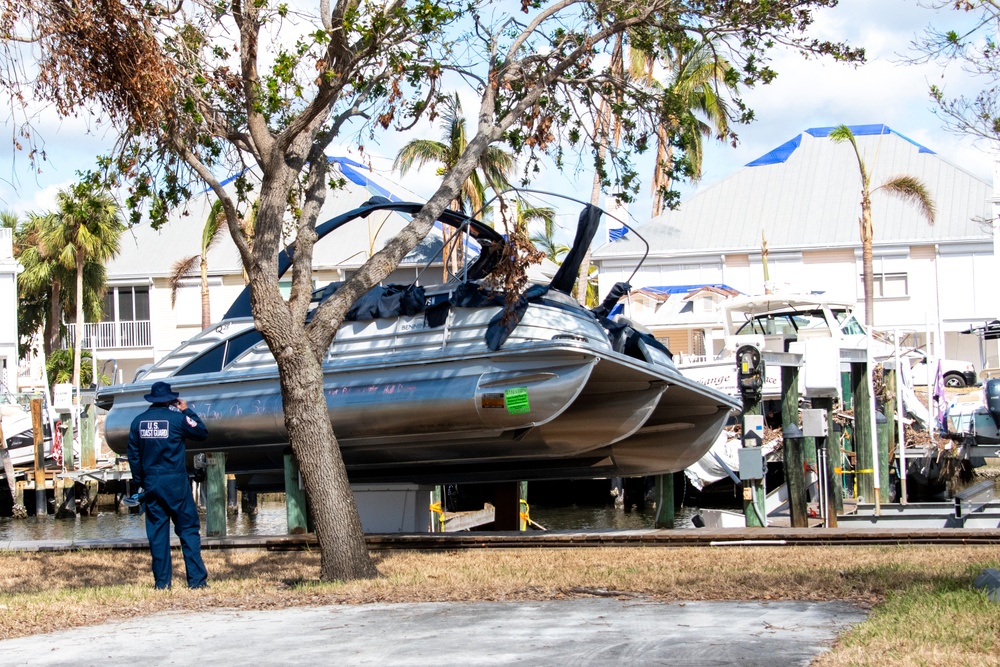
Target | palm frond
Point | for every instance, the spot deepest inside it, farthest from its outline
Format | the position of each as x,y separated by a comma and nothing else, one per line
180,269
842,133
215,226
911,190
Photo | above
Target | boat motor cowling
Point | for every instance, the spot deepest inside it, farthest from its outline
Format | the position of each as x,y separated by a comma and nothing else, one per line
992,391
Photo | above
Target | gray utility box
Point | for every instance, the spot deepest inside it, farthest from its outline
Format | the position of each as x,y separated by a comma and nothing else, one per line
814,423
393,508
751,463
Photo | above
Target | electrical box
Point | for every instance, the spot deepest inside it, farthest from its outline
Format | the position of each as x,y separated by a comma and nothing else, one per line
814,423
753,427
62,398
751,463
821,367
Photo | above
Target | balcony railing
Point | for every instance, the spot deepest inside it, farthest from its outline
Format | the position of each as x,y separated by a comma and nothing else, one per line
111,335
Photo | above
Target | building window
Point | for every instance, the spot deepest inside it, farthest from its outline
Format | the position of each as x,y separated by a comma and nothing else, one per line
890,285
126,304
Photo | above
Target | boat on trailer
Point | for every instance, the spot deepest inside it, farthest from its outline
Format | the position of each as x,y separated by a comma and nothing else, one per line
445,383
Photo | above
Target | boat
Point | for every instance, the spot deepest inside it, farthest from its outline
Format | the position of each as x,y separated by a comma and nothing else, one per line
18,429
444,383
788,322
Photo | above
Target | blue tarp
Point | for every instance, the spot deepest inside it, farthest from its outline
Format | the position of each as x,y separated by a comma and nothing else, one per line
785,150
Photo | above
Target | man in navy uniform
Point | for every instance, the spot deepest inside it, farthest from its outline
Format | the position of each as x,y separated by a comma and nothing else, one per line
156,456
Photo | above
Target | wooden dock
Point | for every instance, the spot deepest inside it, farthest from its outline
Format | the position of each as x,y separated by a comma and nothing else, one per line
723,538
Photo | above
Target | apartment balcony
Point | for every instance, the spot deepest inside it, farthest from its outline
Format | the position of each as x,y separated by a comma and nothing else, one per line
111,335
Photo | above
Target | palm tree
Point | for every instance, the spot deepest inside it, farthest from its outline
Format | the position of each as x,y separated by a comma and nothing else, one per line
494,168
544,241
41,285
214,228
907,188
87,232
697,74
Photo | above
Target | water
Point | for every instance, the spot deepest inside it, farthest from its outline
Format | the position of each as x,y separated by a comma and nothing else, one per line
270,520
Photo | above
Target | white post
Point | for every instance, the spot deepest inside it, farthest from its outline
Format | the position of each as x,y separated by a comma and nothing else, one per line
900,414
931,370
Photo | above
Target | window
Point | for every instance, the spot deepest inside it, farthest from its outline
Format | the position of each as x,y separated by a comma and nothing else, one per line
126,303
890,285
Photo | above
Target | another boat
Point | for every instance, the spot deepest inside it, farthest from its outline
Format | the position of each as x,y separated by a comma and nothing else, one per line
18,430
442,384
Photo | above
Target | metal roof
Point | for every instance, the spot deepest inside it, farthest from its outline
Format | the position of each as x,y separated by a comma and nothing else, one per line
149,253
806,194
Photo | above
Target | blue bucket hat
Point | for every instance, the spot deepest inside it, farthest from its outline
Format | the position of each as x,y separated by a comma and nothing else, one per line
161,393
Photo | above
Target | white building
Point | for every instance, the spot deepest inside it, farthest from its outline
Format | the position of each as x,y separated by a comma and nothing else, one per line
804,197
9,268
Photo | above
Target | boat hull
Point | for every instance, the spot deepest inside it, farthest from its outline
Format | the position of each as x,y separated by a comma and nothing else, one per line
541,412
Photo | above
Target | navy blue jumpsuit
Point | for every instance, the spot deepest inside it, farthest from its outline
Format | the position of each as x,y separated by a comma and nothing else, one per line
156,457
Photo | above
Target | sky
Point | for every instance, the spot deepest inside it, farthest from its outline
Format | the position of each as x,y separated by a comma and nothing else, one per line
806,93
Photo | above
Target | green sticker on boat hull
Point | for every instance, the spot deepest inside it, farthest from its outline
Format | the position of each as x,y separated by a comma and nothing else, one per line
517,401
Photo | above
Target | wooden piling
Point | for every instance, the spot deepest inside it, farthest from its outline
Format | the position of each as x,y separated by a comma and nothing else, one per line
507,504
296,512
523,508
882,434
792,447
248,503
215,501
863,436
889,408
232,496
68,449
20,511
88,418
665,501
65,509
37,429
437,510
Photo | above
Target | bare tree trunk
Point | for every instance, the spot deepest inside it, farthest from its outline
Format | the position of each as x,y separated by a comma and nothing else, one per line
51,340
78,342
206,309
344,553
583,280
866,259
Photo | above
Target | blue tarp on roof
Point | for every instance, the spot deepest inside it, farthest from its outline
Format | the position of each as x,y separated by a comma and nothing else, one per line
785,150
355,173
779,154
684,289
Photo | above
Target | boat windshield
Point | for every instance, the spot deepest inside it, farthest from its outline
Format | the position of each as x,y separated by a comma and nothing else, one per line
849,325
787,323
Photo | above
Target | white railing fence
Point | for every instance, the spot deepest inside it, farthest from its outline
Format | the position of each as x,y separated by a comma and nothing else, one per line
111,335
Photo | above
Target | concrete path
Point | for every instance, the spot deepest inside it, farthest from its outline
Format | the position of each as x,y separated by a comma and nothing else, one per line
562,632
